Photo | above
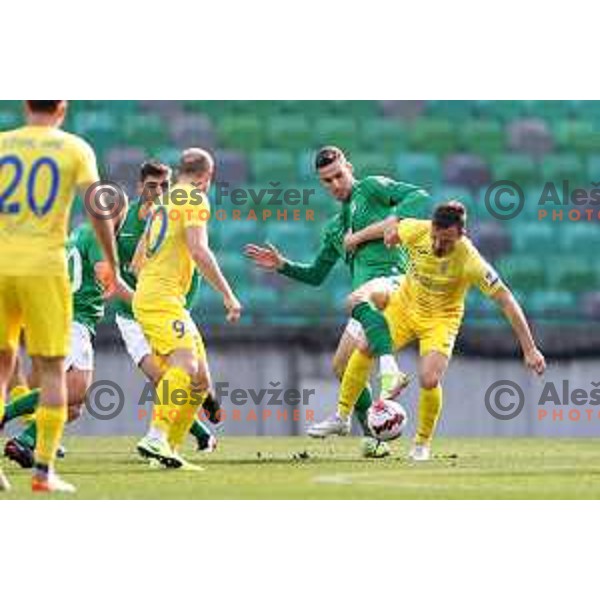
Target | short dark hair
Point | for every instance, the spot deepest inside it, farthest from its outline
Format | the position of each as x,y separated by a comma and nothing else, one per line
43,106
327,155
450,214
153,168
195,161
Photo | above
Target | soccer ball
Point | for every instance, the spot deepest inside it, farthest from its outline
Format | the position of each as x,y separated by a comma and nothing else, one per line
386,420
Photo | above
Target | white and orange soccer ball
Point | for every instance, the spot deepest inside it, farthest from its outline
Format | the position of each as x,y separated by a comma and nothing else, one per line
386,420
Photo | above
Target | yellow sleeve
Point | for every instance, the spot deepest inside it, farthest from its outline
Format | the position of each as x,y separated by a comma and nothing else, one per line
483,275
410,229
196,214
87,171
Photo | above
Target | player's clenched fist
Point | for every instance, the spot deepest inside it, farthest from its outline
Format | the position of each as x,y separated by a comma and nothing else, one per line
535,361
233,308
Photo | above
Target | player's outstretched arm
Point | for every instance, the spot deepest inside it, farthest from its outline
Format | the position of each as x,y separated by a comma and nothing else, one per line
197,242
534,359
375,231
269,258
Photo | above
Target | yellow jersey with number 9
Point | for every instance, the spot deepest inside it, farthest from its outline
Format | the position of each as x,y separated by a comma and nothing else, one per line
40,171
168,267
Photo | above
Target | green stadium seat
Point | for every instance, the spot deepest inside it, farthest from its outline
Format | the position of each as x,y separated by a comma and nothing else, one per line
336,131
578,136
241,132
593,168
587,110
580,238
552,304
466,197
437,136
519,168
572,273
148,130
549,110
457,110
291,132
503,110
482,137
273,165
9,120
560,167
533,238
420,169
522,272
383,135
373,163
361,109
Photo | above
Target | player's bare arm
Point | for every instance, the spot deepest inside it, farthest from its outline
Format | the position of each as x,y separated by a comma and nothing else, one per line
534,359
375,231
197,241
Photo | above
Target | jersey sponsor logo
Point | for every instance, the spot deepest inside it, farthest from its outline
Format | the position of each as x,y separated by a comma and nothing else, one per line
491,277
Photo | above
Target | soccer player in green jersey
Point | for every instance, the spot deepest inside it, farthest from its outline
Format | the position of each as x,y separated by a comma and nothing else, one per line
86,265
153,181
374,269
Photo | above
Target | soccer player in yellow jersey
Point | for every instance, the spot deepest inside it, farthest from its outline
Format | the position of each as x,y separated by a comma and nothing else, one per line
41,168
428,306
176,241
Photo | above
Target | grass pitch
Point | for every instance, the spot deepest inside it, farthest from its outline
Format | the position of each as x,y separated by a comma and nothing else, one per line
301,468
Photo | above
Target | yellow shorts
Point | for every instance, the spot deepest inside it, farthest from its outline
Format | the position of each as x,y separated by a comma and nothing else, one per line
434,335
42,306
168,326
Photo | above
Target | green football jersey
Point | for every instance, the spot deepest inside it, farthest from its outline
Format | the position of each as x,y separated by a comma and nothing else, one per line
83,253
373,199
128,238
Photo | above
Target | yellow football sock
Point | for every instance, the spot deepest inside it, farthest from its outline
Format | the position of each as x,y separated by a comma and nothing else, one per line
1,407
180,428
166,412
430,408
50,424
354,381
18,390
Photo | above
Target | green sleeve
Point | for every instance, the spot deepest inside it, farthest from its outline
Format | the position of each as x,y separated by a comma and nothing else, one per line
94,253
395,193
316,272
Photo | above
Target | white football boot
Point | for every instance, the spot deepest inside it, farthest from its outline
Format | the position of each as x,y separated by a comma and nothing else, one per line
333,425
420,452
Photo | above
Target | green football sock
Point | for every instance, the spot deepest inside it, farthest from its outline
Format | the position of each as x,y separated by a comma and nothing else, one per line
22,405
28,436
361,408
200,431
375,327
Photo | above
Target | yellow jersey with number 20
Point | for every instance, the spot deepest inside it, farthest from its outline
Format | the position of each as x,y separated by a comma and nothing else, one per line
40,170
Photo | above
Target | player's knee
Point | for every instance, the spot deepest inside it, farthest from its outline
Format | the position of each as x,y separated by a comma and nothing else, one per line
430,379
380,300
